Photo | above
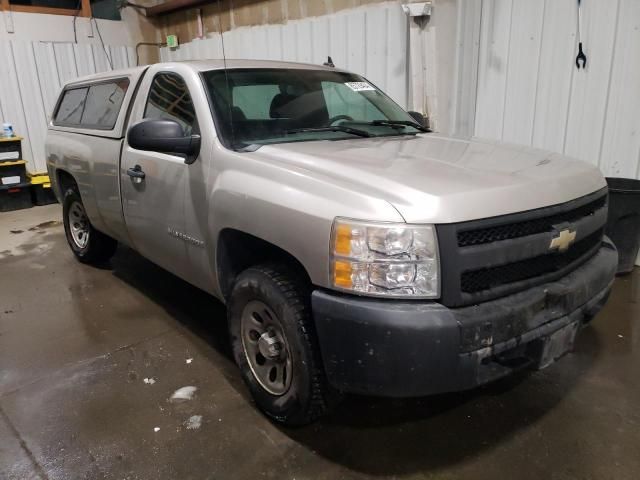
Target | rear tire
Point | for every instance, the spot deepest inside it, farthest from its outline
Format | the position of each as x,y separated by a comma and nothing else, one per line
87,244
275,345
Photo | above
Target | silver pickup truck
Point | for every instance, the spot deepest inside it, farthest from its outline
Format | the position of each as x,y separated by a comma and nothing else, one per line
355,250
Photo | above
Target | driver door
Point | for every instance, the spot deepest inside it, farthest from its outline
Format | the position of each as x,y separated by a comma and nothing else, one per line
154,205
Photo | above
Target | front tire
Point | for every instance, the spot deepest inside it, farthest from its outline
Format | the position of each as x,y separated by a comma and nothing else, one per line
275,345
87,244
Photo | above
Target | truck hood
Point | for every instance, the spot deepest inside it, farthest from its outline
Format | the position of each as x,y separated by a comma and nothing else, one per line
436,179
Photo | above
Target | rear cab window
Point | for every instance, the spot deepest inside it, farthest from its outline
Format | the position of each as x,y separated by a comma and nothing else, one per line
95,106
250,100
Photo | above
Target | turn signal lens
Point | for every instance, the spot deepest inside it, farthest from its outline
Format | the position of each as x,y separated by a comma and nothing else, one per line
343,239
342,274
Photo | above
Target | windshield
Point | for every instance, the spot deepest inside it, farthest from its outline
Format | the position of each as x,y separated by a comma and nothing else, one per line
263,106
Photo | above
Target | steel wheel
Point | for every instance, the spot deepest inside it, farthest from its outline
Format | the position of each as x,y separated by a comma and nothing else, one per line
79,225
266,348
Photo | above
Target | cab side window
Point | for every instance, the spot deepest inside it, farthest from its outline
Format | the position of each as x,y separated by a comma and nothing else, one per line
169,99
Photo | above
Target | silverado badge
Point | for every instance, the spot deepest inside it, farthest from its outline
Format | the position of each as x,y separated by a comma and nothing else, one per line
184,237
563,241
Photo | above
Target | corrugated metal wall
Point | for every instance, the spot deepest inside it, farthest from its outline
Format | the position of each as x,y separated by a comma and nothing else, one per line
31,75
530,92
370,40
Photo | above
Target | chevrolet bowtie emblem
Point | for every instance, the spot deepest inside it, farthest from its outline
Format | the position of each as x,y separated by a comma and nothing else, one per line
562,242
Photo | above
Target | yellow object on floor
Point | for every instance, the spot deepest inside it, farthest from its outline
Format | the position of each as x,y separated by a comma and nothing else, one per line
40,179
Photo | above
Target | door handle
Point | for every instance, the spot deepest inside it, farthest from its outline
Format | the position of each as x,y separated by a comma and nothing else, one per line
136,173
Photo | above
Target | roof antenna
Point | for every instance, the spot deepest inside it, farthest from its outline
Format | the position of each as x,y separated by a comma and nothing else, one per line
226,75
329,63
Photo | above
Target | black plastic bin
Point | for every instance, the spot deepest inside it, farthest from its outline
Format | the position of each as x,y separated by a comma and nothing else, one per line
42,194
623,226
12,173
10,149
15,197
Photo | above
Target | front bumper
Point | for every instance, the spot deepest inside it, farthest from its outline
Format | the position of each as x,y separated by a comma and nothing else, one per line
403,349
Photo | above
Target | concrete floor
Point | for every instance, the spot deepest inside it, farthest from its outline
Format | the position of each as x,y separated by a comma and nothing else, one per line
77,343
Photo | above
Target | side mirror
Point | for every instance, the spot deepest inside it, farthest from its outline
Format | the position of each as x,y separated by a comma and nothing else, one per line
165,136
419,118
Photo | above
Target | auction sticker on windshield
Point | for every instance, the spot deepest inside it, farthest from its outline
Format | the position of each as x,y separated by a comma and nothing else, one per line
359,86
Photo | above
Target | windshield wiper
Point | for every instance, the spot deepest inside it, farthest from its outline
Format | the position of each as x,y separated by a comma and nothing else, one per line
335,128
398,124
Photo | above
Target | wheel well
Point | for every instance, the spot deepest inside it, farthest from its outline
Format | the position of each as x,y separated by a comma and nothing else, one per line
238,251
65,180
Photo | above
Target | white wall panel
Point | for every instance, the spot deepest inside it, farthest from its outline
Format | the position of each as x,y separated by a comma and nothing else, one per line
320,39
274,41
304,41
120,57
376,54
454,61
524,51
258,42
495,30
66,61
31,75
48,71
84,60
396,81
100,58
10,96
530,91
357,42
589,87
555,71
370,40
31,97
338,44
620,154
289,42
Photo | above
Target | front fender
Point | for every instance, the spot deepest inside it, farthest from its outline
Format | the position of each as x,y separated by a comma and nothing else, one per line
293,211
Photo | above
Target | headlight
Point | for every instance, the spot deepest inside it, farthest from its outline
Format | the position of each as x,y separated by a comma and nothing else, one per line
385,259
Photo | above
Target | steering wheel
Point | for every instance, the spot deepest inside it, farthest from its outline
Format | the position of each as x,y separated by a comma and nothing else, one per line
333,120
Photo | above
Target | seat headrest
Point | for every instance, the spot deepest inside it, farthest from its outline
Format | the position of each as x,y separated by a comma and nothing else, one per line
278,104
